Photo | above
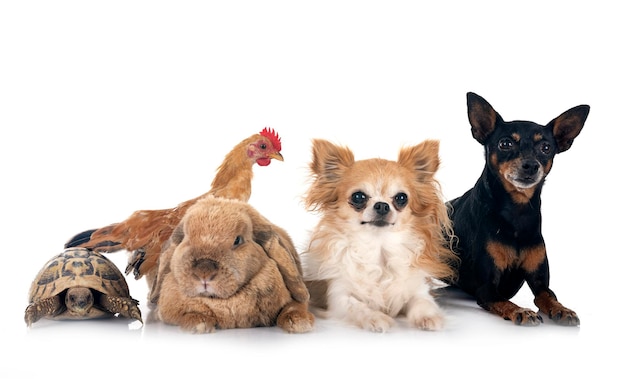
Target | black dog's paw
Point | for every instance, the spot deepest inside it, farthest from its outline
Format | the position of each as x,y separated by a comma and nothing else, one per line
526,317
565,317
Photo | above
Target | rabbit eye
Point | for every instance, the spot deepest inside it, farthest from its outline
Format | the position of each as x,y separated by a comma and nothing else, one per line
238,241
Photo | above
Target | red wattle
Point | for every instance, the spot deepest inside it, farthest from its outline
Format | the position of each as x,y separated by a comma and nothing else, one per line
263,161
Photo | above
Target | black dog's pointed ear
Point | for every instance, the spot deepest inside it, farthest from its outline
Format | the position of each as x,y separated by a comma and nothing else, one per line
482,117
568,125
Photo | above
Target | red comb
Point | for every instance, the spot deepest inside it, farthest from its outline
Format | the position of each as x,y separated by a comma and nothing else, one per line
273,137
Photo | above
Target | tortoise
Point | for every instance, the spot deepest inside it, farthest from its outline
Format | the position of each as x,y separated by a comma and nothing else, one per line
80,284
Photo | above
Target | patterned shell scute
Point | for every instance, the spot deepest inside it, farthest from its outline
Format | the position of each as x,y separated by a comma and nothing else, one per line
78,267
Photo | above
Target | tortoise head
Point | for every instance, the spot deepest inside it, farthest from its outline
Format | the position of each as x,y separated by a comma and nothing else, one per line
79,301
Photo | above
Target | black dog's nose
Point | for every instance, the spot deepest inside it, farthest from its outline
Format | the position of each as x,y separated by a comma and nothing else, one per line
530,166
381,208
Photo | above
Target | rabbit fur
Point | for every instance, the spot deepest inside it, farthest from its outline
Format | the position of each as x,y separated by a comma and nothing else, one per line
226,266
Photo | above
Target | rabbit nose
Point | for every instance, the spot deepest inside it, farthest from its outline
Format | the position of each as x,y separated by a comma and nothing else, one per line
205,265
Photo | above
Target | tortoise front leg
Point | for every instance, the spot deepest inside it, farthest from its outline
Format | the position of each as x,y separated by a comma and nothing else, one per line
125,306
49,307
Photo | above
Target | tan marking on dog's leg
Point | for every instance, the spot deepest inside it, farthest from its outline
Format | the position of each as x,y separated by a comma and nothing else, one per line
548,304
533,257
503,256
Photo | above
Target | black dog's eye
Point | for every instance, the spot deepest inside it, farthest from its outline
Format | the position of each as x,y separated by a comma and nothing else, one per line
545,148
238,241
358,200
505,144
400,200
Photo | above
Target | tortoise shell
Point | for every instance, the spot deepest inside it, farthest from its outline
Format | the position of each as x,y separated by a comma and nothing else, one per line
80,267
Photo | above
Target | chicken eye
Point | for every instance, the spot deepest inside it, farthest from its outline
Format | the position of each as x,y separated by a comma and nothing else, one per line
505,144
400,200
263,146
358,200
545,148
238,241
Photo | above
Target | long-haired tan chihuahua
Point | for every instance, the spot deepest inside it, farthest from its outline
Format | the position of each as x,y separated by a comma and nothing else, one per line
379,243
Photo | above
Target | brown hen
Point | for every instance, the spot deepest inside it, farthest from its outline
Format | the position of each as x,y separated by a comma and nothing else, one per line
145,231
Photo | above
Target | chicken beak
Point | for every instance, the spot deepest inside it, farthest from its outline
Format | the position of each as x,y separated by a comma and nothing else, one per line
276,156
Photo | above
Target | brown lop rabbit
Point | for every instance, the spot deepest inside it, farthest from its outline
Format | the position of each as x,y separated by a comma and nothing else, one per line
226,266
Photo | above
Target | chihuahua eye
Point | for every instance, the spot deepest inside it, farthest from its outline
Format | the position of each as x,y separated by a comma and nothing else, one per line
400,200
505,144
358,200
545,148
238,241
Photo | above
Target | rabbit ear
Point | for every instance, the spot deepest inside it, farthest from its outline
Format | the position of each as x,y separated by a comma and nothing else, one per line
279,247
163,264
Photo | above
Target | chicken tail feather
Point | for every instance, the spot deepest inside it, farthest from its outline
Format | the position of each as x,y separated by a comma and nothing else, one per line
80,238
96,239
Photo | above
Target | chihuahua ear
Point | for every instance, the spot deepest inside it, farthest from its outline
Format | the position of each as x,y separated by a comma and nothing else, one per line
327,168
329,160
423,159
482,117
568,125
280,248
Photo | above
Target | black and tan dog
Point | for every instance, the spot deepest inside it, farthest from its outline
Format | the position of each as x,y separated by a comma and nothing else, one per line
497,224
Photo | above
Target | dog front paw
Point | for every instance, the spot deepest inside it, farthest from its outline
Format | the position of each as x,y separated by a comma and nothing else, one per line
548,304
376,322
525,317
565,317
434,322
510,311
426,317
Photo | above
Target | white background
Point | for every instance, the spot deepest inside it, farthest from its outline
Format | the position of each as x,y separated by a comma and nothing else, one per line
109,107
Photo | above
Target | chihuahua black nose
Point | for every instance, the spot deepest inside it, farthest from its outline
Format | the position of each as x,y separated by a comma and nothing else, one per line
381,208
530,166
